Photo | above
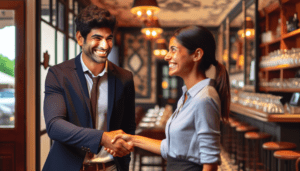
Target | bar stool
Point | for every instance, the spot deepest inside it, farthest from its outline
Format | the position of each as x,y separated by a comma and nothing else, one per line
232,143
254,141
297,164
288,157
241,145
226,136
271,146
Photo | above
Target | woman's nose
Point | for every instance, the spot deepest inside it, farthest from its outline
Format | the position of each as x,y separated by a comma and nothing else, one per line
167,57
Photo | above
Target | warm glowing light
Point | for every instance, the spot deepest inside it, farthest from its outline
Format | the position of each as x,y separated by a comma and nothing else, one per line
156,52
248,33
154,33
225,55
163,52
148,32
149,12
241,61
164,84
139,13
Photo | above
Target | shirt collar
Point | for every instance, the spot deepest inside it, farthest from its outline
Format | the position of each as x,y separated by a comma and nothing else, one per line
196,88
86,69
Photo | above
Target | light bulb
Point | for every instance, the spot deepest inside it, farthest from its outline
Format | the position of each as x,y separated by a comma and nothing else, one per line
154,33
163,52
156,52
149,12
248,33
148,33
139,13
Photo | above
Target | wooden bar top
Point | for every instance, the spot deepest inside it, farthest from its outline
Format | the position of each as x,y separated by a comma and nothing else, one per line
263,116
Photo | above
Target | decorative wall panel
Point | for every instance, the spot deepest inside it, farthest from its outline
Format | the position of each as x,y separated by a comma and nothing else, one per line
139,60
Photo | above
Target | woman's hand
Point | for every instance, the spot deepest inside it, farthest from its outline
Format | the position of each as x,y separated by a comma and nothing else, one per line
126,137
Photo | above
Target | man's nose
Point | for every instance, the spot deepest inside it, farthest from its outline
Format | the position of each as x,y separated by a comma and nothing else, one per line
104,44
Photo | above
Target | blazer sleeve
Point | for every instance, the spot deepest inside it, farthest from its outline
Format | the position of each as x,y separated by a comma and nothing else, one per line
56,118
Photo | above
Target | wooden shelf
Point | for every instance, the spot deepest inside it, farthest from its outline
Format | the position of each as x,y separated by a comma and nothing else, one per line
291,34
277,40
263,116
283,37
279,67
286,90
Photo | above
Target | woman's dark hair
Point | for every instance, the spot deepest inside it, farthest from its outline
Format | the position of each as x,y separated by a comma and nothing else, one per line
94,17
193,37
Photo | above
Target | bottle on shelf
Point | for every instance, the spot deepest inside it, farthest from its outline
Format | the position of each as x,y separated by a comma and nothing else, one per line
278,29
295,21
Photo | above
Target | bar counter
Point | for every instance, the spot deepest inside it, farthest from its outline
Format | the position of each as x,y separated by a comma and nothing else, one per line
263,116
282,127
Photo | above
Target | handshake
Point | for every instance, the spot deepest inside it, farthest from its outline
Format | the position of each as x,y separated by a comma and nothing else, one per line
117,143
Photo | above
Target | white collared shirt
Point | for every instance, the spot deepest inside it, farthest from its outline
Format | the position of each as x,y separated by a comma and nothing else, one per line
102,105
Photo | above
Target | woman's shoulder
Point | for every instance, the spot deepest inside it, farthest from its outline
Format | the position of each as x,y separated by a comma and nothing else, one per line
208,93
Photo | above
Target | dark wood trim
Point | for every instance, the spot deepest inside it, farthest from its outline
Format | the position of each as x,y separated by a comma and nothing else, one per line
256,46
17,134
38,88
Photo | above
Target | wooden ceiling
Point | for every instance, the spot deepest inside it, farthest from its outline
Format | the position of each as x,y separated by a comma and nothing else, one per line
173,13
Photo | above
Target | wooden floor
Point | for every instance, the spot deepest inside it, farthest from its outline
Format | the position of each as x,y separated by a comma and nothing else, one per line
225,166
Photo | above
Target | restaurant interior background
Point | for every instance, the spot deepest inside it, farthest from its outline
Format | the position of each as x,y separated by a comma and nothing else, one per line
257,40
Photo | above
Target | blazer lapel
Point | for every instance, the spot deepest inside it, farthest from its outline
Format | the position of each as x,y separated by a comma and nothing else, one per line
111,92
80,76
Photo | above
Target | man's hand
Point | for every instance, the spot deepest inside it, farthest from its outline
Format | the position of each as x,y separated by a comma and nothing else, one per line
120,147
120,137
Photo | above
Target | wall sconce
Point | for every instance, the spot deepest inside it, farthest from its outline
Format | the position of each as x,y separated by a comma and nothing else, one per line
144,9
151,28
250,32
160,48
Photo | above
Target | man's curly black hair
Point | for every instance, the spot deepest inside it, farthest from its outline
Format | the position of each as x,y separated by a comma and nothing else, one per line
94,17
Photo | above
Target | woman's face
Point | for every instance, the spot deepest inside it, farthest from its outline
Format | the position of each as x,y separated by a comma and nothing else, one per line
180,62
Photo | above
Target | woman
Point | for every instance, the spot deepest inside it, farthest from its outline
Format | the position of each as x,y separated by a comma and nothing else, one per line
193,131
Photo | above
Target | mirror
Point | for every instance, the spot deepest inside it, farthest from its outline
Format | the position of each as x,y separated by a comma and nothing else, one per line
250,46
236,51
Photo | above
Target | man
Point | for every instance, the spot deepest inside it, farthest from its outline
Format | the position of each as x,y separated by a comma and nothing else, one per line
83,116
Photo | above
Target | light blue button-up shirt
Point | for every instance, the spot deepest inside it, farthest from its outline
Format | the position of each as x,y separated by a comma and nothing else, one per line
193,131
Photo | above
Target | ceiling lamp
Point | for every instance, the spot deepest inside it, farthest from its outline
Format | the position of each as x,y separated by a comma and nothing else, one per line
160,48
250,32
144,8
151,28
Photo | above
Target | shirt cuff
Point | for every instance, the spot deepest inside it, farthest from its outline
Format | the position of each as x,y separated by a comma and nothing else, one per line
164,148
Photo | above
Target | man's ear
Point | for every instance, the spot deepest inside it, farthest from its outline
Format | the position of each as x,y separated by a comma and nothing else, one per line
79,38
198,54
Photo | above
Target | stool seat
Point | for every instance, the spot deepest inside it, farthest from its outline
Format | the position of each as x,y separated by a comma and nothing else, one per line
234,123
245,128
230,120
279,145
257,135
287,154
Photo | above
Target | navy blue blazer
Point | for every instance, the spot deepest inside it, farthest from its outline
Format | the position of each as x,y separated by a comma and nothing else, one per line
67,112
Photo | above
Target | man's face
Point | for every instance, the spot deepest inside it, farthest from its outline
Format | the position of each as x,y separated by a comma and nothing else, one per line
97,45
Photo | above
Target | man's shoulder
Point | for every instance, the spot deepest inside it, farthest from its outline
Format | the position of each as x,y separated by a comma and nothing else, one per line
65,65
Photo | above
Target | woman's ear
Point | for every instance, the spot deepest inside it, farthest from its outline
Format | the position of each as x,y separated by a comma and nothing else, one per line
198,54
79,38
